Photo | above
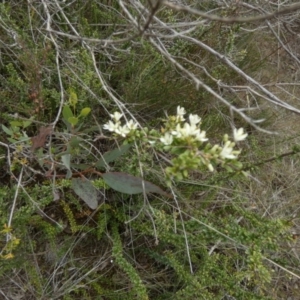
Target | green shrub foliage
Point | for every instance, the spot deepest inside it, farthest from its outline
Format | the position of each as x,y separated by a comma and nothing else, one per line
180,231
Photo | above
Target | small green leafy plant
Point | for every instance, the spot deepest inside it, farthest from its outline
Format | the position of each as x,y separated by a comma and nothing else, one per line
16,132
69,116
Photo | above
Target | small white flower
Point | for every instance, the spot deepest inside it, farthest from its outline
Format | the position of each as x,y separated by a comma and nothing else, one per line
201,136
239,135
116,116
131,125
122,130
180,111
189,130
194,119
177,132
167,139
227,151
111,126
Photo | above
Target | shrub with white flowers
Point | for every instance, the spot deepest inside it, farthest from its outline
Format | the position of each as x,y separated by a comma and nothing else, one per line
185,141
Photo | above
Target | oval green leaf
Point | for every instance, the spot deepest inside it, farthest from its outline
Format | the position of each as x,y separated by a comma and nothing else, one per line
112,155
27,123
67,113
85,111
128,184
16,123
73,120
6,130
86,191
66,160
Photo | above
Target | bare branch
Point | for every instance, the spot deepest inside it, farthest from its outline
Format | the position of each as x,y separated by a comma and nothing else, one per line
206,16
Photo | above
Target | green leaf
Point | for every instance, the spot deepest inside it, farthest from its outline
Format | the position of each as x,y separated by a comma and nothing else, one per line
228,168
84,112
66,160
74,141
69,174
27,123
112,155
128,184
91,129
67,113
73,120
16,123
80,166
86,191
12,140
6,130
23,138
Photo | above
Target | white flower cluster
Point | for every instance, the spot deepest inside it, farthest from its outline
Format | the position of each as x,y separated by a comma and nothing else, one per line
227,150
181,131
184,139
190,129
115,125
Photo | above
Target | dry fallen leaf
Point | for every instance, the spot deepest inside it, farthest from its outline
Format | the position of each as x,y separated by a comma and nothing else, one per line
39,140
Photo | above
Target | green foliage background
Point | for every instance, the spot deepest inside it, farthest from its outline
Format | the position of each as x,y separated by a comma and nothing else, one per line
210,242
